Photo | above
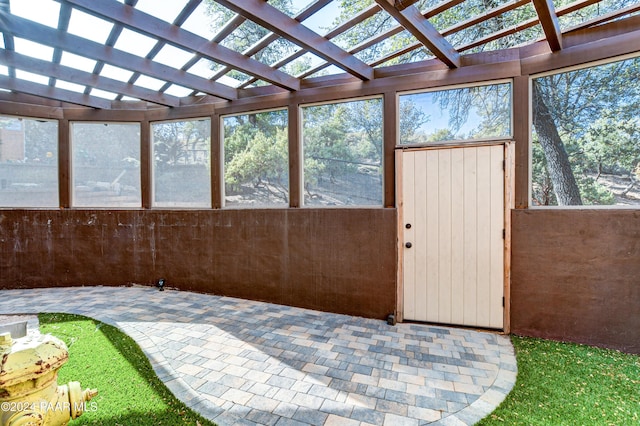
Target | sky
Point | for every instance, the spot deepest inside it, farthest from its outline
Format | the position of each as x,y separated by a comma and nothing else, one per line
47,11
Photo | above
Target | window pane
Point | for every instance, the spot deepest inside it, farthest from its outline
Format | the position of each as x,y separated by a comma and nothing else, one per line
181,172
256,159
586,136
342,146
106,165
28,163
482,112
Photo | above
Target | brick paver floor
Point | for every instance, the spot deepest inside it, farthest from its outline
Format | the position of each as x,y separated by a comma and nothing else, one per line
242,362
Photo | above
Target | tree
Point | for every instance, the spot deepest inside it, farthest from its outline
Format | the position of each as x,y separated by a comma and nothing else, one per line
249,33
256,155
565,108
558,166
180,142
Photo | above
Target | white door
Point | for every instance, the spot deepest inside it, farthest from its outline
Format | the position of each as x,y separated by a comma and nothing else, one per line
452,212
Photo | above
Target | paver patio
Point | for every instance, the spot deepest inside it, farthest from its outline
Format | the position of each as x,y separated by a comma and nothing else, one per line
242,362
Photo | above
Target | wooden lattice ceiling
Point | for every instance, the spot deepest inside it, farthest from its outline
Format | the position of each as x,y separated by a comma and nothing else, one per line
305,40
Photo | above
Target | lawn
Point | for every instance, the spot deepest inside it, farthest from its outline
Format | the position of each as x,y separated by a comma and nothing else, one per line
558,383
569,384
102,357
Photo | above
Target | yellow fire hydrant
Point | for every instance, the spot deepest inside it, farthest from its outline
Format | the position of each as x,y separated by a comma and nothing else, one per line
29,391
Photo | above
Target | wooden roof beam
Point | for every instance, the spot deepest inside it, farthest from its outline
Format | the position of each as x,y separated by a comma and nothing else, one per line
492,13
54,93
139,21
307,12
549,21
403,4
413,21
7,38
42,34
272,19
63,25
57,71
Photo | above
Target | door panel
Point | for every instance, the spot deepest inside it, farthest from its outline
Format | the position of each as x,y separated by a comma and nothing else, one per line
453,272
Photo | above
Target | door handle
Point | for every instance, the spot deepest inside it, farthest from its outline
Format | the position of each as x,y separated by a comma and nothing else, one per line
407,245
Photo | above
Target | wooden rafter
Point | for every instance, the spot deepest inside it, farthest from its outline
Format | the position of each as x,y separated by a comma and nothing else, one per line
57,71
580,4
44,91
413,21
38,33
607,17
500,34
139,21
184,14
63,25
271,18
549,21
403,4
350,23
229,27
271,37
492,13
343,27
7,38
439,8
576,5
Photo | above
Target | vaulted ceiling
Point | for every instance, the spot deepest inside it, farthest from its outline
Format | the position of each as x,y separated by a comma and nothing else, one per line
169,52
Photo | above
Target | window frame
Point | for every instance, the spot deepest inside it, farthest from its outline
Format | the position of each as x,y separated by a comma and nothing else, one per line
635,55
456,142
300,135
222,180
57,162
152,167
71,181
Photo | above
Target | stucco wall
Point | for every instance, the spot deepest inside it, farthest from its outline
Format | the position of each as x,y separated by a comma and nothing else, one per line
338,260
576,276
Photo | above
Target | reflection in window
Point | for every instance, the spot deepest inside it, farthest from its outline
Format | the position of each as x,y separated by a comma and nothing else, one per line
181,158
481,112
586,136
342,145
106,165
256,159
28,163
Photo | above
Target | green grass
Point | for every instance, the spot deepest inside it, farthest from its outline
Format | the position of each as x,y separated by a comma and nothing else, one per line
569,384
558,383
102,357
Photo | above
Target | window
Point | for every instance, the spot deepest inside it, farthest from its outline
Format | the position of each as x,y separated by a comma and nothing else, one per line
106,165
256,159
181,163
342,149
28,163
479,112
586,136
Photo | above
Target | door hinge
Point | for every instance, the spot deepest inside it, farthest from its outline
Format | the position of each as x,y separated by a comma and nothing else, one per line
504,233
503,301
504,165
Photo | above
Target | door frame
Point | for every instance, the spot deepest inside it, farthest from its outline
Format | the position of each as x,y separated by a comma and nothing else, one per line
509,204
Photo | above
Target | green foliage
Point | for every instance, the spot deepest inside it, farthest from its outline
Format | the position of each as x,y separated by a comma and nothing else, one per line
342,146
569,384
93,144
541,187
178,142
412,117
325,139
256,154
596,113
129,392
249,33
473,113
612,146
